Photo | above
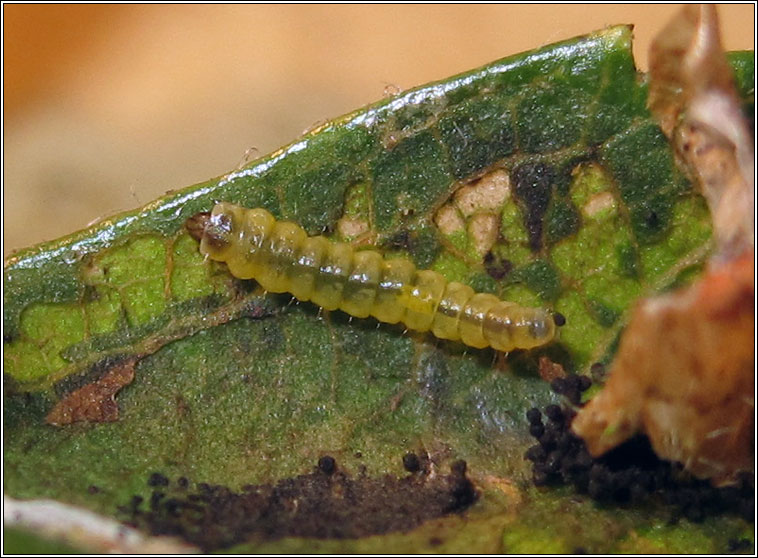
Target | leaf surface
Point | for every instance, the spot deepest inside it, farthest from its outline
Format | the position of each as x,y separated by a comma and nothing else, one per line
233,387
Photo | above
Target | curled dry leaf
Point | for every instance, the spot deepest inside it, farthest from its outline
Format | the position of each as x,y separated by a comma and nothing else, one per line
684,373
693,96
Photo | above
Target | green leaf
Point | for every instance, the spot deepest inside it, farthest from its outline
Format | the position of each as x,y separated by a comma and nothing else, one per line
233,387
20,541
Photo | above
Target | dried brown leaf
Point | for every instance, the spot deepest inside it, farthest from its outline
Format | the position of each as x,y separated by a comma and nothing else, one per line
684,373
95,402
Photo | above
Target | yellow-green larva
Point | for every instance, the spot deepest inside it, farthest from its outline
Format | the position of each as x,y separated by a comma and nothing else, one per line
283,258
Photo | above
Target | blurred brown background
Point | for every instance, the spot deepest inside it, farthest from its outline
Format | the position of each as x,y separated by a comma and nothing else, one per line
106,107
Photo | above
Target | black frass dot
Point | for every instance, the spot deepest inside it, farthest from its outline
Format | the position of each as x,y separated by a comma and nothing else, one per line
534,416
554,413
559,319
536,430
631,473
157,479
584,383
535,453
327,464
411,462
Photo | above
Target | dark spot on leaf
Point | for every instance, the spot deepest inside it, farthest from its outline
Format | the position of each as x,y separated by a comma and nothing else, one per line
559,319
652,220
155,500
628,260
534,416
400,240
533,183
497,267
90,294
136,502
602,313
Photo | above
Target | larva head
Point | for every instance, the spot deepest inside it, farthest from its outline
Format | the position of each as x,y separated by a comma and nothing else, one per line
542,326
213,230
509,326
534,327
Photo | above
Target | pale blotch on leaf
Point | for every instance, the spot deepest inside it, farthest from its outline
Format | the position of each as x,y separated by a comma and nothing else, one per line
483,229
351,229
476,207
449,220
598,204
489,193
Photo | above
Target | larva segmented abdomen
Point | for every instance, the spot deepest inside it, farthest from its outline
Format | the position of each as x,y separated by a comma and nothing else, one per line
283,258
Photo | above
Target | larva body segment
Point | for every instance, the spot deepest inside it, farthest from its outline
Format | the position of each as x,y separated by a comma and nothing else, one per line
283,258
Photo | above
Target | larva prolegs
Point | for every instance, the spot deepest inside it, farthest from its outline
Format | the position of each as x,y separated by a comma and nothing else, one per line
333,274
392,292
307,266
277,256
423,298
447,318
360,292
471,321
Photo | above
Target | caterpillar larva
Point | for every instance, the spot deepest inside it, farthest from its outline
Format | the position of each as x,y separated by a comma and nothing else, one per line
283,258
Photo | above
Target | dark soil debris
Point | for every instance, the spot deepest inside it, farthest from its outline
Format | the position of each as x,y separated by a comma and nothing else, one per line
326,503
629,474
